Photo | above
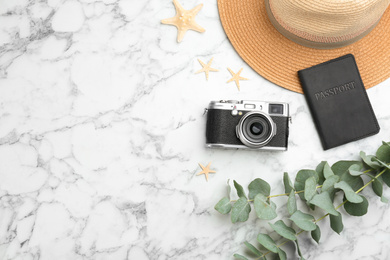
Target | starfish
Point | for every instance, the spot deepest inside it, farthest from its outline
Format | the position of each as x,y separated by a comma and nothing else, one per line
206,68
206,170
184,20
236,77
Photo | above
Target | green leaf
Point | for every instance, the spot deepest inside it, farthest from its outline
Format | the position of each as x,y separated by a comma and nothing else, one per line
377,186
273,205
384,199
357,209
336,223
320,172
316,234
267,242
355,170
310,188
223,206
299,250
288,186
301,178
240,190
386,177
323,201
252,248
283,230
327,171
238,256
291,203
258,186
367,159
356,182
383,152
282,255
349,192
240,210
382,163
329,183
340,167
303,220
263,209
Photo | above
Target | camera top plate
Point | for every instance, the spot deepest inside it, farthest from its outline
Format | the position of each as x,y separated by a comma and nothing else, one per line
250,105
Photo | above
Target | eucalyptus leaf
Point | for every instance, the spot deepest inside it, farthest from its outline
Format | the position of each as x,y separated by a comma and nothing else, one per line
354,170
273,205
324,201
288,186
240,190
384,199
329,183
386,177
229,188
349,192
282,255
299,250
291,203
252,248
377,186
258,186
310,188
356,182
283,230
240,210
320,172
303,220
301,178
223,206
357,209
267,242
336,223
327,171
263,209
368,160
382,163
316,234
238,256
340,167
383,152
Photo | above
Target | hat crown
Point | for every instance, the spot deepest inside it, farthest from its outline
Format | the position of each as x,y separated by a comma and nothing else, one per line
325,22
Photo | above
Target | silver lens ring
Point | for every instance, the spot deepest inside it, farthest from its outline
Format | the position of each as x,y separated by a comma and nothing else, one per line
256,129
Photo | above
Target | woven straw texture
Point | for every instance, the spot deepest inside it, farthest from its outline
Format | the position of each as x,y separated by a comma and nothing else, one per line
328,20
278,59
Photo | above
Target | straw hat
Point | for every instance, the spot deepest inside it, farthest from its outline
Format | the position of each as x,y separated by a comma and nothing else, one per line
279,37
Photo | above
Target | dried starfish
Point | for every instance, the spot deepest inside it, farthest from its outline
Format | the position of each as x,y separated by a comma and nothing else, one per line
184,20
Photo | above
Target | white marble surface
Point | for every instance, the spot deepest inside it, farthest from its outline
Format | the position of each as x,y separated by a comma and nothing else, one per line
102,130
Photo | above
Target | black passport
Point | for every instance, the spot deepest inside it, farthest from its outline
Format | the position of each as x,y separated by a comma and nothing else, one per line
338,101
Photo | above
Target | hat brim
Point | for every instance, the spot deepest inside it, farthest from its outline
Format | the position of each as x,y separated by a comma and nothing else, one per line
279,59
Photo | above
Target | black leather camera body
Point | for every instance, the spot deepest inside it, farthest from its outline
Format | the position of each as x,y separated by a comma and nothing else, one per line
247,125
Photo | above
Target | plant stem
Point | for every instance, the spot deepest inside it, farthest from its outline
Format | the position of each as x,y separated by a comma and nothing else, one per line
279,195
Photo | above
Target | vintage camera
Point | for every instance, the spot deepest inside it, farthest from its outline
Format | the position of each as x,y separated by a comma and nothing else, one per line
247,124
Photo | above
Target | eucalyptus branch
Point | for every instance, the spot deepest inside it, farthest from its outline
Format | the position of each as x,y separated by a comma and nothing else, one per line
317,188
280,195
339,206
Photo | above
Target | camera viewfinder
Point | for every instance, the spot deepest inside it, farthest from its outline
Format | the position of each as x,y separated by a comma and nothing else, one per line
275,109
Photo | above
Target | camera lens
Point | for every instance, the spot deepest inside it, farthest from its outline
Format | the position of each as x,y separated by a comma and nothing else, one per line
255,129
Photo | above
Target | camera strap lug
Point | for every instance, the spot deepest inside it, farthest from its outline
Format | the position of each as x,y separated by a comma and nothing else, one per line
205,111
